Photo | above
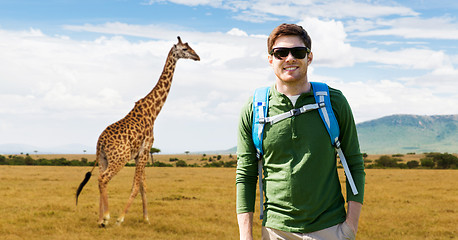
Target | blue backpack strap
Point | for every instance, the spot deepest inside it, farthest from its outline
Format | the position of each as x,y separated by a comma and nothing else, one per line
260,108
321,94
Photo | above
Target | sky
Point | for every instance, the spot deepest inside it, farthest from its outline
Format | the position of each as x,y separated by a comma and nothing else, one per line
70,68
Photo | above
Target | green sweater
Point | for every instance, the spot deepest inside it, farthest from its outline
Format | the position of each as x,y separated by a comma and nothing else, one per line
301,184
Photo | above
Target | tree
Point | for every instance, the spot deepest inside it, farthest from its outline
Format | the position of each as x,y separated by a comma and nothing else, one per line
153,151
413,164
427,163
445,160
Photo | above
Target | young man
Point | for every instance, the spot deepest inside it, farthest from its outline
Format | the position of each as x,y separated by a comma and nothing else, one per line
303,198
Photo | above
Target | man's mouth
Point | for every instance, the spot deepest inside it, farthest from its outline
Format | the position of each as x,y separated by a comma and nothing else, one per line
292,68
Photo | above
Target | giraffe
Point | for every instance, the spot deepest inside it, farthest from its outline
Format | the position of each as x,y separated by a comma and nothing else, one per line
131,138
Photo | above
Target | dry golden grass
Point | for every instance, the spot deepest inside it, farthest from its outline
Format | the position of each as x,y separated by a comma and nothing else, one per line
199,203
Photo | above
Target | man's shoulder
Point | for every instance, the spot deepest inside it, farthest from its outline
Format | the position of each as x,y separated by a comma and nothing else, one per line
338,100
335,92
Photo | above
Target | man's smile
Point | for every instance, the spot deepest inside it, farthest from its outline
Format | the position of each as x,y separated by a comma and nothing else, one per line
291,68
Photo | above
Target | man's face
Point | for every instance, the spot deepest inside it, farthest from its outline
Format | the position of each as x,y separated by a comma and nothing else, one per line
290,69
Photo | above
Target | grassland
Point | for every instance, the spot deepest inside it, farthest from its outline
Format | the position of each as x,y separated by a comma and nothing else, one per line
199,203
201,159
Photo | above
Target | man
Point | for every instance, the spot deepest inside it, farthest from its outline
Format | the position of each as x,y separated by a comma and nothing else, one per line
303,198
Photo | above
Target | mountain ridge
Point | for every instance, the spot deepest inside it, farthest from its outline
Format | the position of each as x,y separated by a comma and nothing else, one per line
398,133
404,133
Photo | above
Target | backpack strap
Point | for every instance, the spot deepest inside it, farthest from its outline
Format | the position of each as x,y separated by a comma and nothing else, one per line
260,108
321,94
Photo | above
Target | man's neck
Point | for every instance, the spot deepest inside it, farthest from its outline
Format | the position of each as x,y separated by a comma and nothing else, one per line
293,88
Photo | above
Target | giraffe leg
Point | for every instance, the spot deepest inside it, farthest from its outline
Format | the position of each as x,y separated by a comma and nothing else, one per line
143,193
139,171
104,214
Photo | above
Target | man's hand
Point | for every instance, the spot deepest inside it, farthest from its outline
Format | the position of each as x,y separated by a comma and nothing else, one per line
353,212
245,225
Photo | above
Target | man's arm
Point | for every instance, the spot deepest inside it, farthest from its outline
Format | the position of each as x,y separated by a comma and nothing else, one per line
353,212
245,225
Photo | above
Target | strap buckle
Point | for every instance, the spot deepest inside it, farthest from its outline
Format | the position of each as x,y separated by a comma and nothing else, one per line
295,112
321,104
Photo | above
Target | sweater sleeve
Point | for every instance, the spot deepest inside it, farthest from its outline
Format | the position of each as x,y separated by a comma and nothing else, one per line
350,145
246,173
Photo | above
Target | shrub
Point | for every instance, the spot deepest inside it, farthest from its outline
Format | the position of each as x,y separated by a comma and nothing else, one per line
402,166
181,163
442,160
413,164
161,164
2,160
427,163
230,164
387,161
445,160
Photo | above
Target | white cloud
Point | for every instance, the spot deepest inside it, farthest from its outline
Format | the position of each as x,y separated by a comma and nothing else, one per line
375,99
410,58
237,32
415,28
329,43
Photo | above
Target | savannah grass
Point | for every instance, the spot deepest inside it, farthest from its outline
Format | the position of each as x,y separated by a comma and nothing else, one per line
38,202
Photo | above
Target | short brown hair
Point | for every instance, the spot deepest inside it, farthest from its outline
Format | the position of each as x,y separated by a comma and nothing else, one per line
288,30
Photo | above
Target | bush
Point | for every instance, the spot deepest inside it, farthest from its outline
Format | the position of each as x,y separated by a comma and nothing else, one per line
387,161
442,160
161,164
214,164
181,163
427,163
413,164
445,161
2,160
402,166
230,164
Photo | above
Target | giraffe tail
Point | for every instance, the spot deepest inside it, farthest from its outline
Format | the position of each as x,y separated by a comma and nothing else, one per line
83,183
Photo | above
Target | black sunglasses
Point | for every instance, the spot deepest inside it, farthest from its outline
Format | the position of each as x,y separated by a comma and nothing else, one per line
297,52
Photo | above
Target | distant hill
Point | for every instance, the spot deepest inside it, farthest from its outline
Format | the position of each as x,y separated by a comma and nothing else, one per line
386,135
409,133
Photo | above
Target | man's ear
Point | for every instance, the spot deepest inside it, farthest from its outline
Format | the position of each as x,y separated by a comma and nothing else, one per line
309,58
269,57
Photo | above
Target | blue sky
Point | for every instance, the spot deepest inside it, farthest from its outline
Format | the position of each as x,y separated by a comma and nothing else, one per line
70,68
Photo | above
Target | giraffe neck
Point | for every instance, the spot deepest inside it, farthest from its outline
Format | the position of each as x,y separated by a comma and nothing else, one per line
154,101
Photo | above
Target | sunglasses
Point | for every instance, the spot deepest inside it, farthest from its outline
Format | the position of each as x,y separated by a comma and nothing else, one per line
297,52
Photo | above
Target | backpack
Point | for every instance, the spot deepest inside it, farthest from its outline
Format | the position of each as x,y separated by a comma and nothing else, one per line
323,105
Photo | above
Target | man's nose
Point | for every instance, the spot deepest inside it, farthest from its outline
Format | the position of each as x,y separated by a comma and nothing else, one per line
290,57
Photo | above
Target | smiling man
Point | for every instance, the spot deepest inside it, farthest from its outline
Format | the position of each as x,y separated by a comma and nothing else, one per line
303,198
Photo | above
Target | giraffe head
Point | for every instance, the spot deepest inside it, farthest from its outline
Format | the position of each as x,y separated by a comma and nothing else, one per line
183,50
